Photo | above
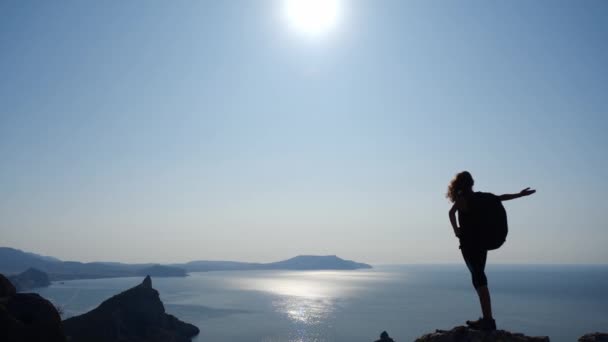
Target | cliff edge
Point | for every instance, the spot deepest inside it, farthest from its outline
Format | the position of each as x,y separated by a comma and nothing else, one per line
27,317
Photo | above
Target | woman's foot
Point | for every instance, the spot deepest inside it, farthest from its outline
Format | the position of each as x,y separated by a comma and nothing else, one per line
485,324
475,324
488,324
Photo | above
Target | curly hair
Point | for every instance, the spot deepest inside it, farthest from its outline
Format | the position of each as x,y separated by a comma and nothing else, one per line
462,182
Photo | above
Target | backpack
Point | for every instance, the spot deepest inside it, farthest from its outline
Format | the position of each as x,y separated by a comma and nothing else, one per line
488,220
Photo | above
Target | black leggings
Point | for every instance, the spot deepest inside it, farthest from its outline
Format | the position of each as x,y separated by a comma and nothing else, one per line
476,262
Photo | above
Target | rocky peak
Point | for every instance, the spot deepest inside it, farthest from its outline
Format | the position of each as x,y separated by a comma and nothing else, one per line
147,283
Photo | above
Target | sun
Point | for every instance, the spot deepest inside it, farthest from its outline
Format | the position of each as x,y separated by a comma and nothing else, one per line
312,17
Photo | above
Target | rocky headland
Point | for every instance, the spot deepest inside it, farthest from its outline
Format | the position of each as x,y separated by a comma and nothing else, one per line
135,315
30,279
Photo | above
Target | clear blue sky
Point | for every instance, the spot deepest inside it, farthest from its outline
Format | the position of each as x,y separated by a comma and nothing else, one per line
171,131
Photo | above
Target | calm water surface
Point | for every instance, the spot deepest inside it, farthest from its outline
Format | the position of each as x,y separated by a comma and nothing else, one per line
563,302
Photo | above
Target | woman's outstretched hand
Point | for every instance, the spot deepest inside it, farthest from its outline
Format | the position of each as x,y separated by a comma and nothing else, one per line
526,192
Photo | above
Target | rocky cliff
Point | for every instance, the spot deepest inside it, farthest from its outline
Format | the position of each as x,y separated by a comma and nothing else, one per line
27,317
135,315
464,334
595,337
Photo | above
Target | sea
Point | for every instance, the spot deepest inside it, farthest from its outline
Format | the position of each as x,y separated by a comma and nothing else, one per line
559,301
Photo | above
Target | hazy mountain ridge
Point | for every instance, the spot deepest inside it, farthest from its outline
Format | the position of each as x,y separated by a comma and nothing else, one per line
14,261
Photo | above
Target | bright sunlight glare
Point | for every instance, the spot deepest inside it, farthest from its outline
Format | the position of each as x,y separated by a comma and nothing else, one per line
312,17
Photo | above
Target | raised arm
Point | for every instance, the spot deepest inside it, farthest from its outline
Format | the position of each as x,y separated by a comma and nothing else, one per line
524,192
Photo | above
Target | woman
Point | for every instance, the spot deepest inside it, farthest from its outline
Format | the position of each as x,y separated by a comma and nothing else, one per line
460,192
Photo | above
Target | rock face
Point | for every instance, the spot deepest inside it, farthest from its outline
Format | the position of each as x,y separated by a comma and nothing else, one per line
595,337
464,334
27,317
30,279
135,315
6,287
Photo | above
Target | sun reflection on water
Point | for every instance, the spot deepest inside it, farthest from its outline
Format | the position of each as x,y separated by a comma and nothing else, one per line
309,299
303,300
309,311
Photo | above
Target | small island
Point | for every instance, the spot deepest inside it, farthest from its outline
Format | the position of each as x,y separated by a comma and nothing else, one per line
298,263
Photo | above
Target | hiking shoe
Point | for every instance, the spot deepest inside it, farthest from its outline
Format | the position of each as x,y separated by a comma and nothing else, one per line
484,324
488,324
475,324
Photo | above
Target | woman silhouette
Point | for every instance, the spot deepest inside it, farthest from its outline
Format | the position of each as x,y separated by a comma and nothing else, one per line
460,192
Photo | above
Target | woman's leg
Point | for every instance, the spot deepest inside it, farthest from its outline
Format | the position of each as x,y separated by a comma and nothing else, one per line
482,290
485,301
476,262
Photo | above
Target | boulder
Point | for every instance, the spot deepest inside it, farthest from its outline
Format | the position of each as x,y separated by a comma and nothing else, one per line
464,334
595,337
6,287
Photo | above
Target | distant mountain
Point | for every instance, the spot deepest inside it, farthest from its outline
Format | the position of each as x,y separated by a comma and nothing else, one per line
315,262
301,262
14,261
